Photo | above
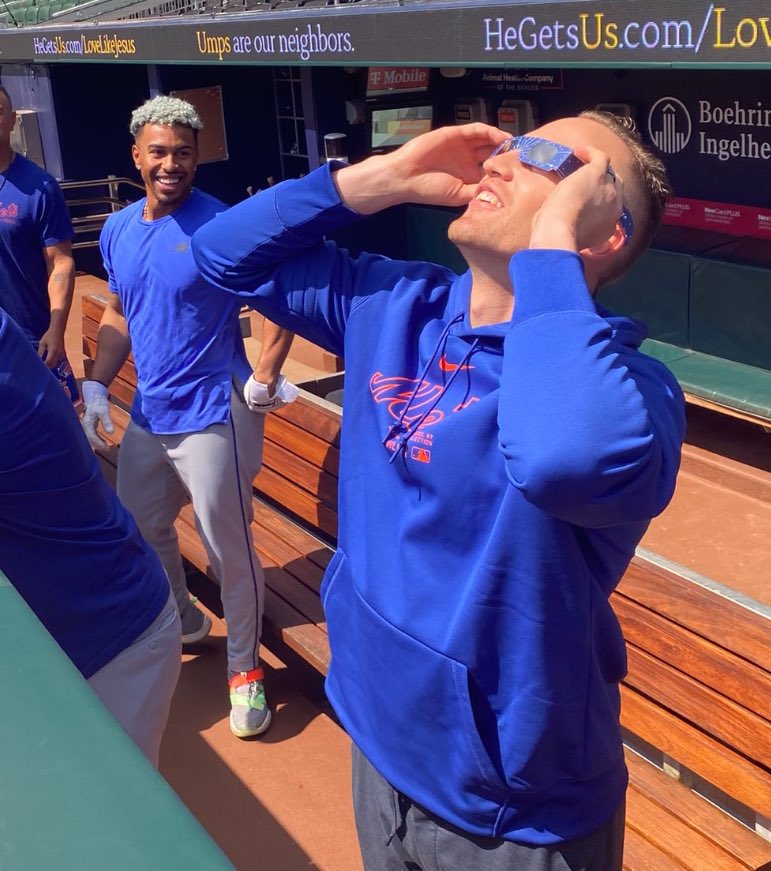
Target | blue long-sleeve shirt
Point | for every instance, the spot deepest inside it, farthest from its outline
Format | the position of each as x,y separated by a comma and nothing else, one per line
494,483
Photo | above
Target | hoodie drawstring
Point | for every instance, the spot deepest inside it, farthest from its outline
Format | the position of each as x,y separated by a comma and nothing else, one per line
400,432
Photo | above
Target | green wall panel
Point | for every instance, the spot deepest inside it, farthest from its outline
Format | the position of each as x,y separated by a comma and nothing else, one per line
654,291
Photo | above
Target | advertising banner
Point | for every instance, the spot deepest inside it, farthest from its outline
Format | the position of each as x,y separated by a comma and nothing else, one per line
614,32
715,138
730,218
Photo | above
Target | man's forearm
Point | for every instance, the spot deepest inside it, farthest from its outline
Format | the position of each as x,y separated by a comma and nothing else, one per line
368,187
113,346
276,343
61,288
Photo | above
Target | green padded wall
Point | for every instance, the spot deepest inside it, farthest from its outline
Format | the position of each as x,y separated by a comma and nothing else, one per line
427,237
654,291
730,312
77,794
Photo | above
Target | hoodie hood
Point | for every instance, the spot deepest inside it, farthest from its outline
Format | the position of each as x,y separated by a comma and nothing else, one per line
630,332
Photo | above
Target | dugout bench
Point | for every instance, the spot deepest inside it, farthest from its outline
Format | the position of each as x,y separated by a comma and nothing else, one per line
696,702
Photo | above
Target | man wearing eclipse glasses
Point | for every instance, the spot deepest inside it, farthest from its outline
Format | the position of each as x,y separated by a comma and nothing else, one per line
505,445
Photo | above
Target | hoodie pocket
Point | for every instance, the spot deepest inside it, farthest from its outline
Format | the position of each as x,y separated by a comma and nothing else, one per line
408,707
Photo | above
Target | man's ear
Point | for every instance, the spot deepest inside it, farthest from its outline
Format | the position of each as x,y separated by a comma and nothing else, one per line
610,246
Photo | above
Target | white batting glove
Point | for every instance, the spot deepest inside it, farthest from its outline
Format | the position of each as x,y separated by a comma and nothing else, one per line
258,397
97,411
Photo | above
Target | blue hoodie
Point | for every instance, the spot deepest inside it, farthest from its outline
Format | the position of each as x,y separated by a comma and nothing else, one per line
494,482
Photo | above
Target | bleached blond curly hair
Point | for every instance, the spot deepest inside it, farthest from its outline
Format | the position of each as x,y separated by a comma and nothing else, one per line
167,111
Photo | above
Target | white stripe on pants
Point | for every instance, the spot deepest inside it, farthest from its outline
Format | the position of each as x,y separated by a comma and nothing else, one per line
136,686
214,468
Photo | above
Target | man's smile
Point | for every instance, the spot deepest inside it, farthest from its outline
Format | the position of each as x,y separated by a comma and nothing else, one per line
486,195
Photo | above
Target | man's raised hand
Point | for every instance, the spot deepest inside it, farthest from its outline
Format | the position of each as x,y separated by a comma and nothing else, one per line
439,168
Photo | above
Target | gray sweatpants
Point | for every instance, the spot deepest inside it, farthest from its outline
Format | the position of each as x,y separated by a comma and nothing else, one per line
397,835
214,468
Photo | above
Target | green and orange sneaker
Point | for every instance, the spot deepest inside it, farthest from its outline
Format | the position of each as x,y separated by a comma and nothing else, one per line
249,712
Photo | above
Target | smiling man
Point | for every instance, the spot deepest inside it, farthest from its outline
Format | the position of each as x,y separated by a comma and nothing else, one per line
504,446
196,427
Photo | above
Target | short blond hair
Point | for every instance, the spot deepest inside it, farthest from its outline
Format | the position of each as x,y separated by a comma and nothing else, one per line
167,111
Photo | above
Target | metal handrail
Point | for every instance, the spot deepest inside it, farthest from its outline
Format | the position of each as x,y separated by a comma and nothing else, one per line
113,201
86,224
110,180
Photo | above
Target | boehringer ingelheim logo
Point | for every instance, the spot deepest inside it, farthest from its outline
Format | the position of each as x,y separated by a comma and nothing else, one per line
669,125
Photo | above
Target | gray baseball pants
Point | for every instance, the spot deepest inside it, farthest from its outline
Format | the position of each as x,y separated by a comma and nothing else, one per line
136,686
214,469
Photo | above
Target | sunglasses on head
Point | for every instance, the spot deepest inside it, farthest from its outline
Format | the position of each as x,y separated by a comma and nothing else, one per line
553,157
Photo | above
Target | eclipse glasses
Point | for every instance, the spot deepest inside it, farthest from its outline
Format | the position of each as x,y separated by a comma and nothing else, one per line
553,157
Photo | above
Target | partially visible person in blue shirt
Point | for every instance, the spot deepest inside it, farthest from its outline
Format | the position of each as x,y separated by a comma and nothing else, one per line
37,271
75,554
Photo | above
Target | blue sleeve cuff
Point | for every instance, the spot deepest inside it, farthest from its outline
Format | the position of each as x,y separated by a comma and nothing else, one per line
319,198
548,281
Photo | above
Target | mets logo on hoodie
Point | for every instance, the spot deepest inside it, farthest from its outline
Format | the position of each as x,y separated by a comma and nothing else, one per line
413,404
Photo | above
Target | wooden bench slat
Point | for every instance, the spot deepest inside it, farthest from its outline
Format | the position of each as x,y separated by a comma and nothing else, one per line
90,333
709,663
93,305
697,812
676,838
291,560
722,621
310,417
297,500
120,388
127,374
307,445
306,640
641,855
120,391
711,760
301,472
720,717
316,551
297,595
321,558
